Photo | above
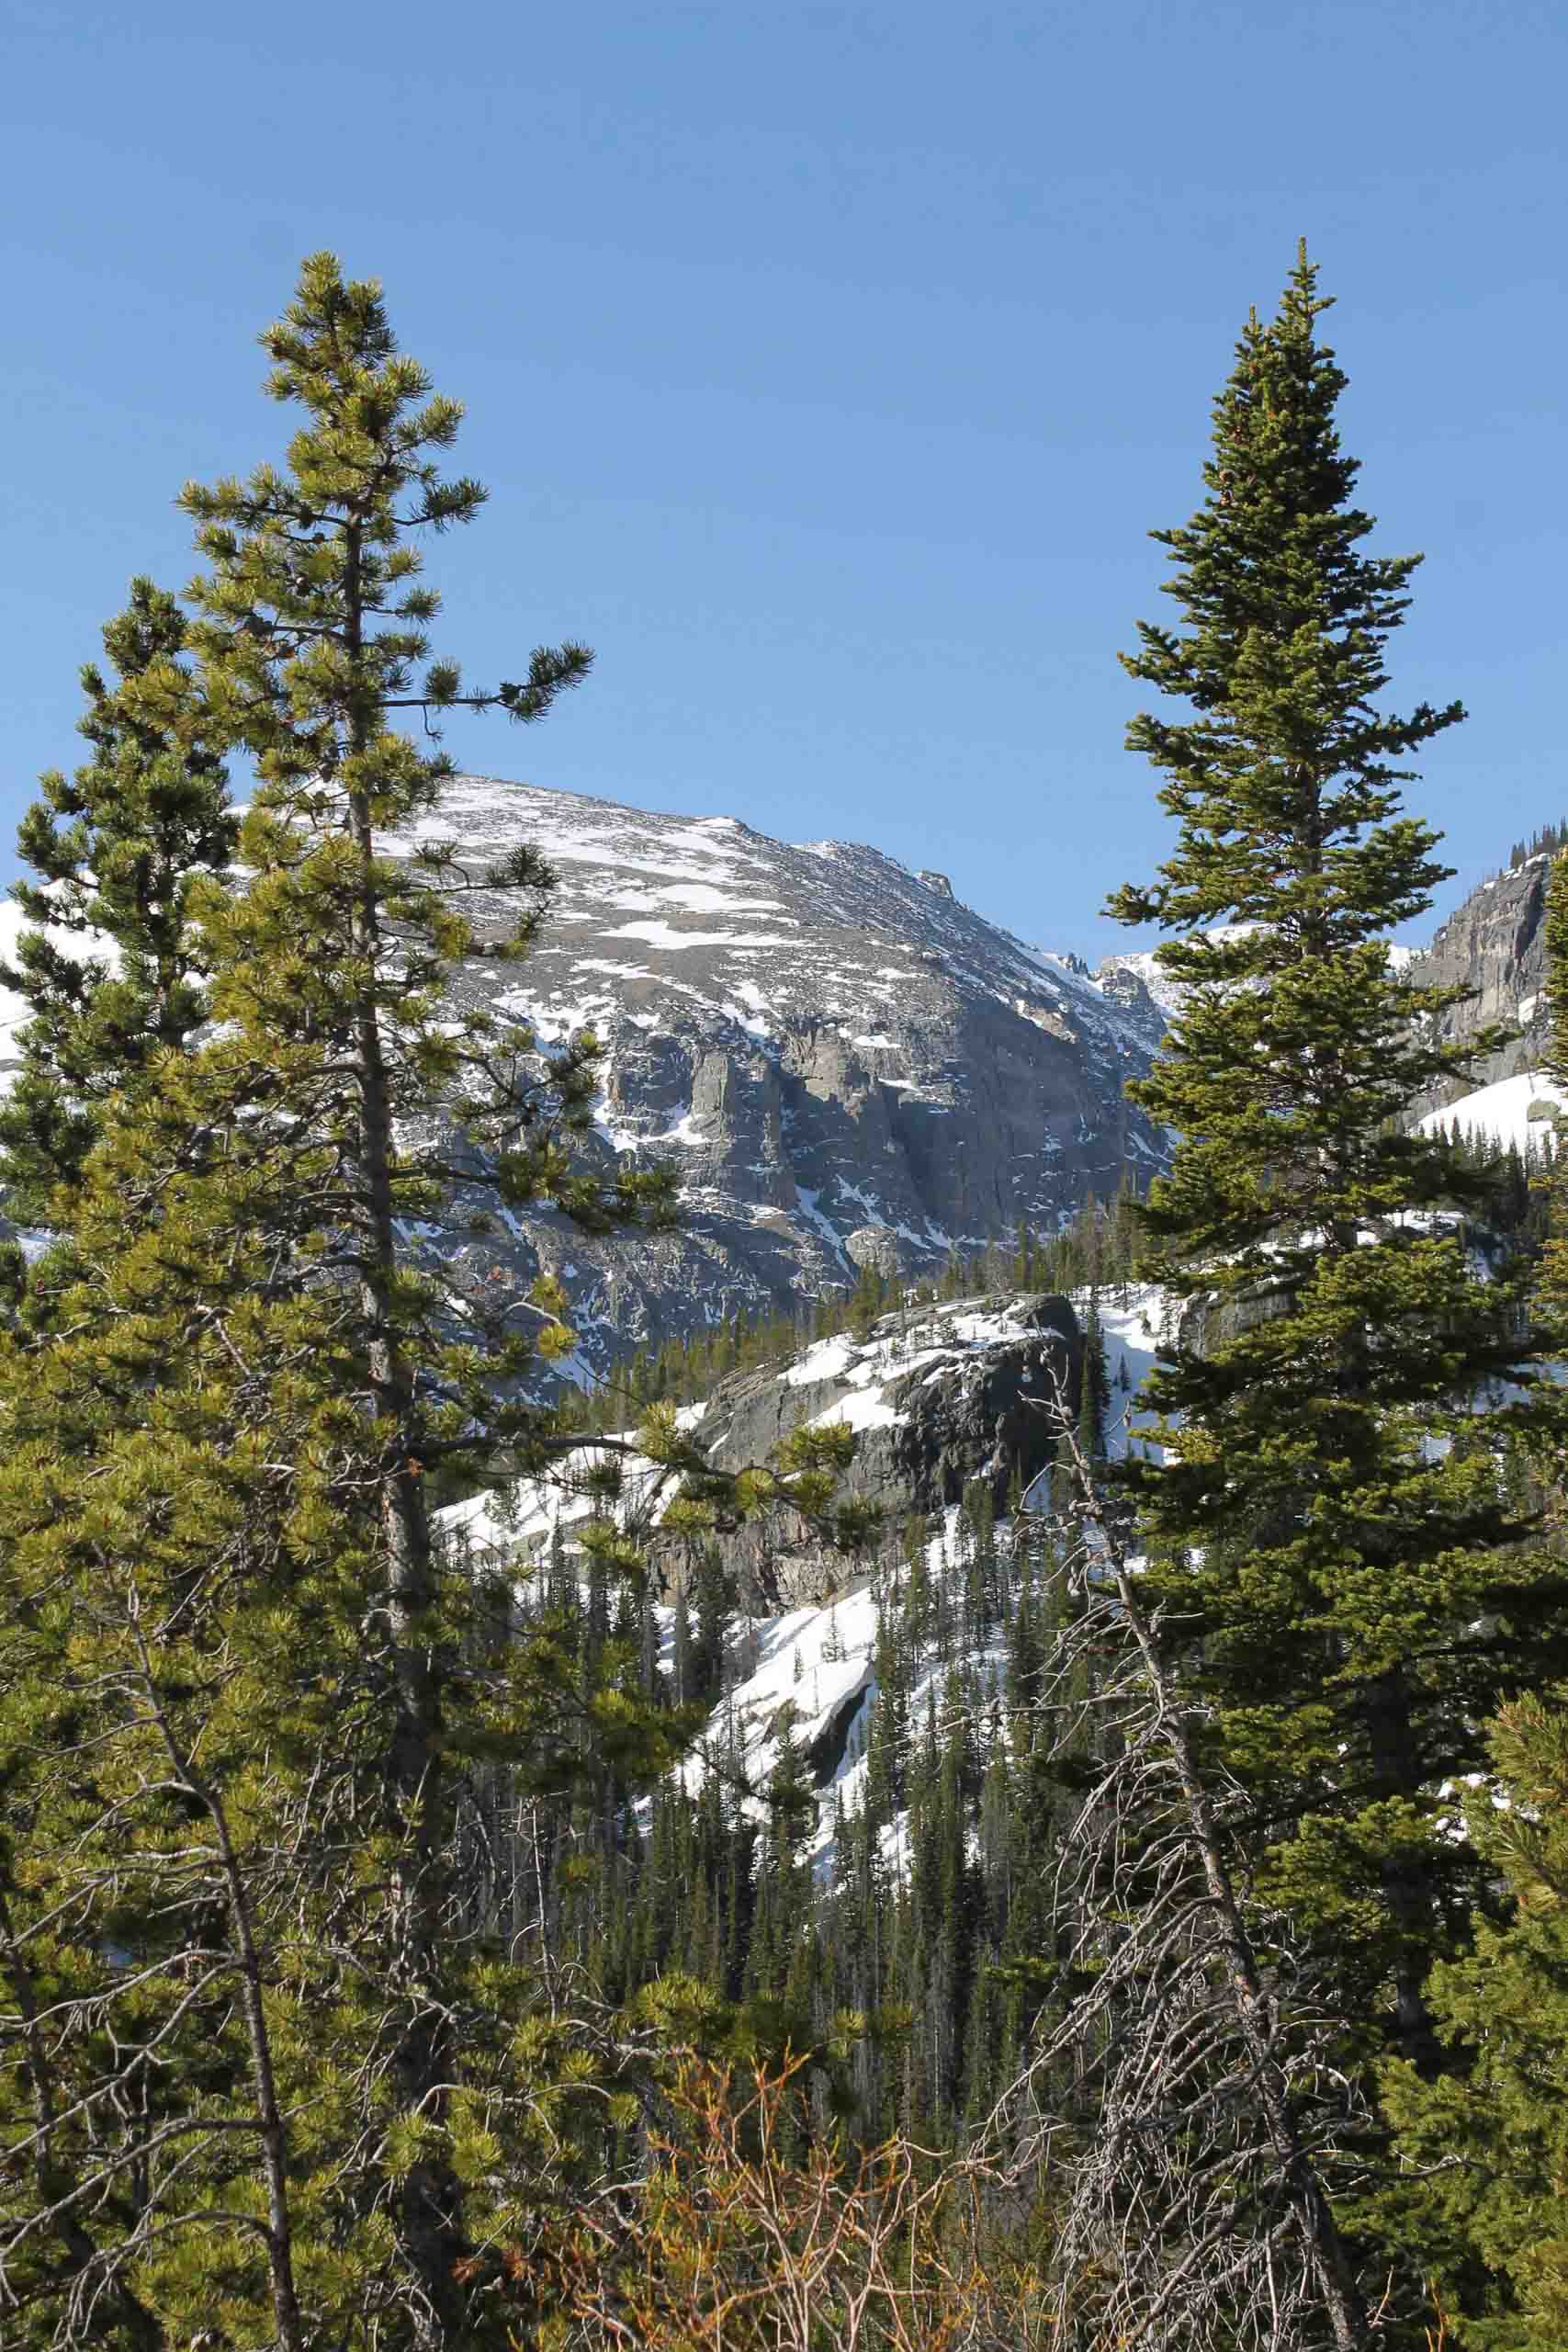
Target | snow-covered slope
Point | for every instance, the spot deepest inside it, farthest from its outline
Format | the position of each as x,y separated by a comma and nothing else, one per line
937,1398
1514,1111
940,1399
1141,966
843,1063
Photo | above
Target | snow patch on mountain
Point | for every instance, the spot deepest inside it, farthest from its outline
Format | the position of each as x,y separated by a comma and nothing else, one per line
1513,1112
815,1040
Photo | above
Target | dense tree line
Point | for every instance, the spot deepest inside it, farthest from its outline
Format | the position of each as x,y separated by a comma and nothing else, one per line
929,1905
1545,842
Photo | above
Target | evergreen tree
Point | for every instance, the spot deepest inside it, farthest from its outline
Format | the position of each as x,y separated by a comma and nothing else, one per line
252,1715
1094,1389
117,848
887,1746
867,1301
1488,2148
685,1681
1353,1618
715,1617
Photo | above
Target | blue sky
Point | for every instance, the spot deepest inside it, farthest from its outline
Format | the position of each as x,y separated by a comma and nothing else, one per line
827,366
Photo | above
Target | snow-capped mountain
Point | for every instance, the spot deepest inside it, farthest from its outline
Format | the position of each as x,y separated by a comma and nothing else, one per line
844,1063
1123,975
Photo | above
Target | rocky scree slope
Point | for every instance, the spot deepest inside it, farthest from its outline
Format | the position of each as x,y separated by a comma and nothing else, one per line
844,1064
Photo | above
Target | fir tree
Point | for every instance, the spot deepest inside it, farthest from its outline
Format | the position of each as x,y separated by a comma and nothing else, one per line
685,1681
714,1612
1094,1391
1358,1620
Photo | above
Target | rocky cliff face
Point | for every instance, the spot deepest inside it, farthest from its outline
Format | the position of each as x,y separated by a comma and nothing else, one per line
939,1401
954,1396
845,1064
1495,945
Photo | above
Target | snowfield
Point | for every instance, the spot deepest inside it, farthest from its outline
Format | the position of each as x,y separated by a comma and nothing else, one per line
1516,1111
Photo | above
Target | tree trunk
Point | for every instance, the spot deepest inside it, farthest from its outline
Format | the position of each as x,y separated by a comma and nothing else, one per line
278,2234
431,2231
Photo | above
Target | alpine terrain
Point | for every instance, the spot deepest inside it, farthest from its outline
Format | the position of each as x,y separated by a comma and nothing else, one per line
846,1065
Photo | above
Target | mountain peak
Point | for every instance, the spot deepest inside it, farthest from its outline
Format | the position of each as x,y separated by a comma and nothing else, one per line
824,1044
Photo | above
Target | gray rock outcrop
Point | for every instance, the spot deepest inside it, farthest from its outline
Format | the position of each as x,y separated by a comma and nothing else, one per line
939,1401
844,1064
1495,945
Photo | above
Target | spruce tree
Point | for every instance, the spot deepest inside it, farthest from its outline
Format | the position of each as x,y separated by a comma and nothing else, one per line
1094,1384
1337,1569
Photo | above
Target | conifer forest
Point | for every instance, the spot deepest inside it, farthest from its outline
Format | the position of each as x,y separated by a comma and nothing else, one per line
1012,1800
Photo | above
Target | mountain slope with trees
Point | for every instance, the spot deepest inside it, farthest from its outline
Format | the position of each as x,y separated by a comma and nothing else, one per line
931,1821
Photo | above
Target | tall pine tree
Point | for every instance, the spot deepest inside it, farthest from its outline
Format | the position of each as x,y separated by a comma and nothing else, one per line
1339,1571
256,1724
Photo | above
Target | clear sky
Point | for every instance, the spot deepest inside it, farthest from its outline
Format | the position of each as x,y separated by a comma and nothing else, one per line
828,365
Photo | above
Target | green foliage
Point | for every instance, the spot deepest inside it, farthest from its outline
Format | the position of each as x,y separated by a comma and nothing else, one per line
1094,1387
284,1771
349,1901
267,1748
117,848
1486,2147
1339,1565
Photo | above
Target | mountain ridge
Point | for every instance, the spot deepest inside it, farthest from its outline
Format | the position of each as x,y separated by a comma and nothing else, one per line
845,1064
